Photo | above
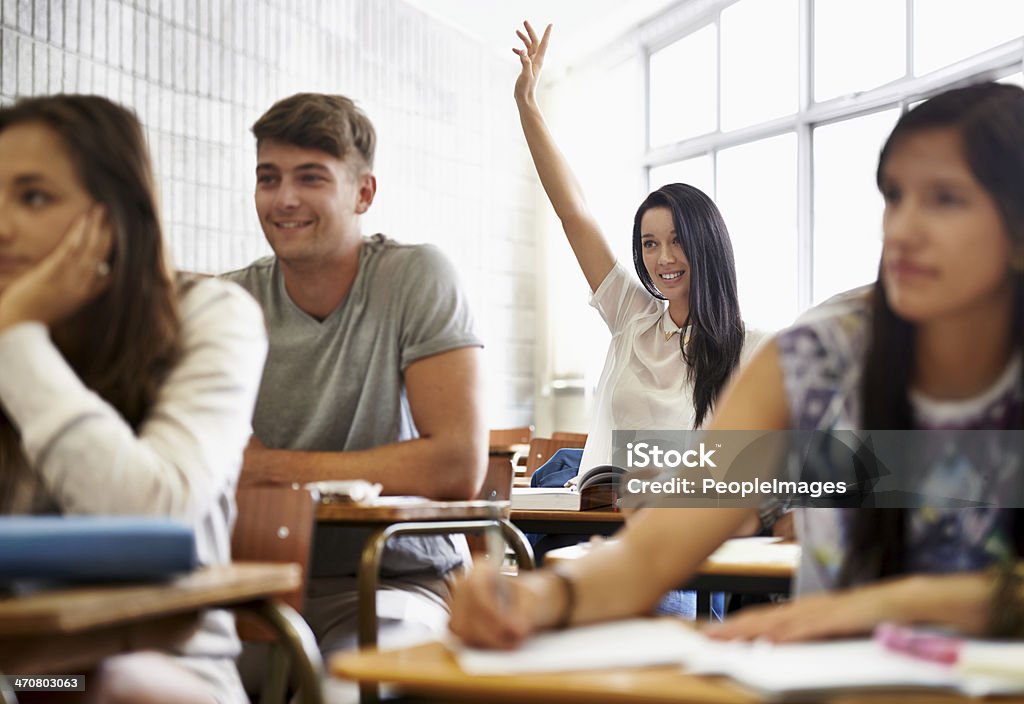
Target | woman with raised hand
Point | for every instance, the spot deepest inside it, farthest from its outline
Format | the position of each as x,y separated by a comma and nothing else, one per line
124,390
936,345
666,364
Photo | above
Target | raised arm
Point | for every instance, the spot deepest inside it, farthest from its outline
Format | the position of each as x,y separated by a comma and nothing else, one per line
447,461
585,237
656,552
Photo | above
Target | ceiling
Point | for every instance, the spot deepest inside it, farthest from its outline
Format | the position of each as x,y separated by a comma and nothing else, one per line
581,27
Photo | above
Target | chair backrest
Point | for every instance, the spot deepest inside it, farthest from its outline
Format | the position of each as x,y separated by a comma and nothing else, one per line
504,444
574,437
502,439
497,484
541,450
274,524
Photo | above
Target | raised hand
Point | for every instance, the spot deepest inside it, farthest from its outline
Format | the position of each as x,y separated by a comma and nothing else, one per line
74,273
532,59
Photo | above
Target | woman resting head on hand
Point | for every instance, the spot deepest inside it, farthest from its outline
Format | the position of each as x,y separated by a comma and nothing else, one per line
124,390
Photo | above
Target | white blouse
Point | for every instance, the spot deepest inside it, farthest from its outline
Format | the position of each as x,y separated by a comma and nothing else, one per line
644,384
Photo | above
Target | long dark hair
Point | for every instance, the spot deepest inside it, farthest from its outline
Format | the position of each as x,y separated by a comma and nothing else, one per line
123,343
717,331
989,118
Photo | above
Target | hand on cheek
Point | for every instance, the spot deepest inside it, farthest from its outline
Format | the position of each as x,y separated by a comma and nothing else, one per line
74,273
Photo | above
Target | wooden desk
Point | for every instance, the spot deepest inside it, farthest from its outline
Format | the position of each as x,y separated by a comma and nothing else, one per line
69,630
396,516
430,671
508,449
398,510
739,566
568,522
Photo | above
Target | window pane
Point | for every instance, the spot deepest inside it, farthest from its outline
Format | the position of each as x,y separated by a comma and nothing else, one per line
1016,79
840,29
757,197
759,61
683,90
949,30
697,172
847,206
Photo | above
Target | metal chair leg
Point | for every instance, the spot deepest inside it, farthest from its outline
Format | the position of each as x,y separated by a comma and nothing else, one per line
298,642
519,544
7,695
275,680
369,570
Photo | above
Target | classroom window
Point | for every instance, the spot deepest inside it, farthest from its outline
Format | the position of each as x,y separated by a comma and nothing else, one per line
759,61
847,206
948,30
684,93
756,188
807,92
840,29
699,172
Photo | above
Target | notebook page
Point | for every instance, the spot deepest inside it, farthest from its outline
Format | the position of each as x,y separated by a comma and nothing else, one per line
630,643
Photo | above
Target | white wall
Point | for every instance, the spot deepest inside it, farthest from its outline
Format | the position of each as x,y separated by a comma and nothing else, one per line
451,165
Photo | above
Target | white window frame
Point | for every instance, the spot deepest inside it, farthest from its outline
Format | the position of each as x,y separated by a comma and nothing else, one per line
675,24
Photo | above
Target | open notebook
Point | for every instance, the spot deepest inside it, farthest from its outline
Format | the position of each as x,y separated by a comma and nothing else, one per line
786,672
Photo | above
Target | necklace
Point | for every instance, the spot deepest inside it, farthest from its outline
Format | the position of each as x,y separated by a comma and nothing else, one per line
686,334
684,329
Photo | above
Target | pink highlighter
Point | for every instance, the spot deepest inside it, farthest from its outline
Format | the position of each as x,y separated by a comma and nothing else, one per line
923,644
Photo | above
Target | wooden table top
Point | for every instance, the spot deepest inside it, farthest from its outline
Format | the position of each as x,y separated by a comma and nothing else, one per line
568,516
508,448
401,510
431,669
753,557
75,609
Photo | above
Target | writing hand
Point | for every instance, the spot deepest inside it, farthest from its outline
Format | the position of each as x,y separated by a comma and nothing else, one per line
493,611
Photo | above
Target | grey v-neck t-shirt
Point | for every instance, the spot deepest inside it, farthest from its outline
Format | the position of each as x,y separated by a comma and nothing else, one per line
337,384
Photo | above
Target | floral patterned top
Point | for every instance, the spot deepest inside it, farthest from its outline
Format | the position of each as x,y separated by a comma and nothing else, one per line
822,364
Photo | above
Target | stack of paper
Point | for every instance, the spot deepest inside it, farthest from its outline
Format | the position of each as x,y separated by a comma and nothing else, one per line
350,491
545,499
787,671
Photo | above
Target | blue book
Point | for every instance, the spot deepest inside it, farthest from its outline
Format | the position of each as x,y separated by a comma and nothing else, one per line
94,548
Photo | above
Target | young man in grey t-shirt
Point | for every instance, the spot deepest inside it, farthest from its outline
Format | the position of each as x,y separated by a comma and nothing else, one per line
374,366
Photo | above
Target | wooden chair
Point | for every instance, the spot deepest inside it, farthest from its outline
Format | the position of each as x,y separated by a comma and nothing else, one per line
497,485
541,450
572,437
504,445
275,524
505,440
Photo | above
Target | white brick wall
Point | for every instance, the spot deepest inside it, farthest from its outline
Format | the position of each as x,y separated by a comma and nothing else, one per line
198,73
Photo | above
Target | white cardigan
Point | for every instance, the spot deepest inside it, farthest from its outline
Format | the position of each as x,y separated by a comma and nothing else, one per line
185,460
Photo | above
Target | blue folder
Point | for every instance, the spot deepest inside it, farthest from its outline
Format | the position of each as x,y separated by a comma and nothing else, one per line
94,548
